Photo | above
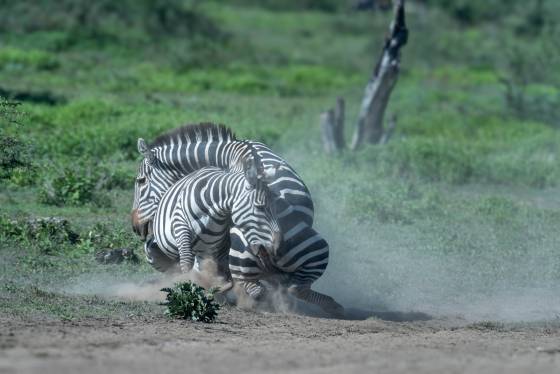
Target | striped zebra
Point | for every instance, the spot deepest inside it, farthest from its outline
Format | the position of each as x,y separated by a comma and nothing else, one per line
302,253
189,148
195,215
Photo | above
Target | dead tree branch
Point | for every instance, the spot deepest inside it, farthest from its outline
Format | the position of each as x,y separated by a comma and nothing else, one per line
332,127
369,128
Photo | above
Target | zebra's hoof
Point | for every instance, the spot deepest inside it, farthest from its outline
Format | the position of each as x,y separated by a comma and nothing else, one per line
186,268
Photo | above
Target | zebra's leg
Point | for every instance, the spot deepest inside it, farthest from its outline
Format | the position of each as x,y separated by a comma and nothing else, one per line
327,303
186,252
213,271
244,267
222,266
305,258
253,288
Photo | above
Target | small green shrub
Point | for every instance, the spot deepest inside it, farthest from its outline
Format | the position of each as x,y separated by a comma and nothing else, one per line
14,152
10,228
82,183
23,176
48,234
189,301
102,236
70,185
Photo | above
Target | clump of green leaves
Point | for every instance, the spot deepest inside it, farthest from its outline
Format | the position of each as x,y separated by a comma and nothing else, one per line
73,186
48,234
14,152
80,184
186,300
103,236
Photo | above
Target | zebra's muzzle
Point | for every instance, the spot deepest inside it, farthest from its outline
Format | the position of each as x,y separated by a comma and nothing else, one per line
142,229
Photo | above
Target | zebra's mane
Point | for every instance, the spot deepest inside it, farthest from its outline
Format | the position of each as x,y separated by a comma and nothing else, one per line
202,132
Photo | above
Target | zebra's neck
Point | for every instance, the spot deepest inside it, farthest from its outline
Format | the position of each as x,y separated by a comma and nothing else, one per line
232,190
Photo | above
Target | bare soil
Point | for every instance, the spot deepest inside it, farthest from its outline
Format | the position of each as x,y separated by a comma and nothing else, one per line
257,342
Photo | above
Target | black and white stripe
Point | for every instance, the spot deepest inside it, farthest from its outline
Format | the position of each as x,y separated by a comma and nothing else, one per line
302,254
190,148
195,215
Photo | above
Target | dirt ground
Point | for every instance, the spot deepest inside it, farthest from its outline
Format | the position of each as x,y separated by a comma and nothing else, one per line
257,342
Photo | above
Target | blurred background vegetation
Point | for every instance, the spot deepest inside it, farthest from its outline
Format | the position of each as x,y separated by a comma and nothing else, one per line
465,193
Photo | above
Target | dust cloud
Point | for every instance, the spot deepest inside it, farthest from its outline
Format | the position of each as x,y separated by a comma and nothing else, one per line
414,268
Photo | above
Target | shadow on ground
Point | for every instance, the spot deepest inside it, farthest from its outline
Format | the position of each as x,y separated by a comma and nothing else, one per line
355,314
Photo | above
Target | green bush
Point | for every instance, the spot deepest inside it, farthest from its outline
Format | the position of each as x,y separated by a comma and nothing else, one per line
23,176
189,301
85,181
70,185
14,152
48,234
104,236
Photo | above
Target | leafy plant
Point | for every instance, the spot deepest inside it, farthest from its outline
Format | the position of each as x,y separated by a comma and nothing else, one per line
105,237
73,186
14,152
186,300
48,234
81,184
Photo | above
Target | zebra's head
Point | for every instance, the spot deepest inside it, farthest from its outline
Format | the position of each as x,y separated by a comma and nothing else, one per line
150,185
253,210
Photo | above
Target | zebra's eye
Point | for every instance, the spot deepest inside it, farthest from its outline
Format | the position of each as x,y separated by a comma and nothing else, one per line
141,180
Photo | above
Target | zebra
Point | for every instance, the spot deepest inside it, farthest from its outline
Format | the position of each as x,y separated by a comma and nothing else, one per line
184,150
302,253
194,216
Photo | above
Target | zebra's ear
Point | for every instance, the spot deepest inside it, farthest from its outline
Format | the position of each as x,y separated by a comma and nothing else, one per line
144,150
251,171
142,147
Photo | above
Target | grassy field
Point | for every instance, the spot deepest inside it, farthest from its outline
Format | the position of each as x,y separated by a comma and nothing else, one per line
457,214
